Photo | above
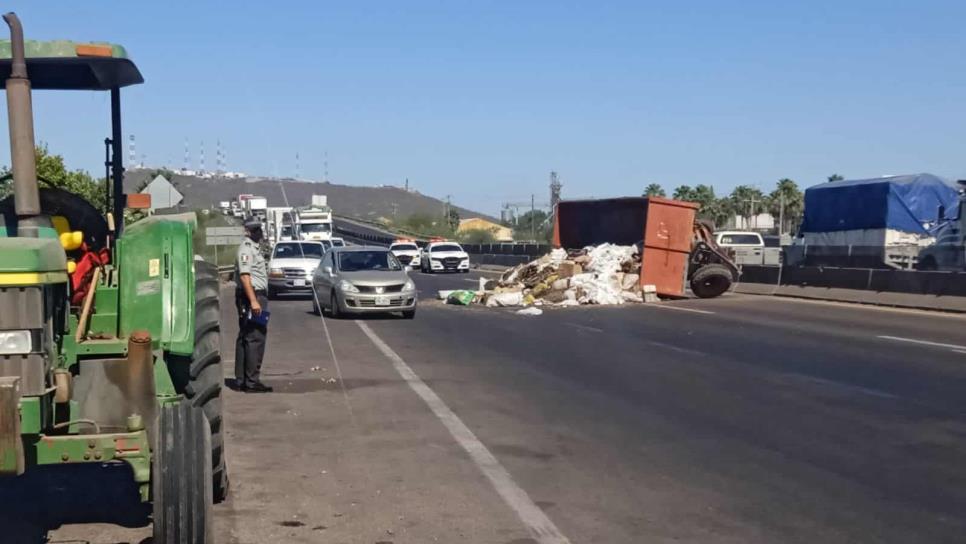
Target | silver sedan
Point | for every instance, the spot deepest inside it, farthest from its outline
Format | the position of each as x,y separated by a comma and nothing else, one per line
362,279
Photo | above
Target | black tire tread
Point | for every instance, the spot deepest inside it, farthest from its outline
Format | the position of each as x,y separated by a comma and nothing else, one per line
710,272
205,376
182,476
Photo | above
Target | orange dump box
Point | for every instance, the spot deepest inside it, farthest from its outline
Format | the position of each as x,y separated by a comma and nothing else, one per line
663,226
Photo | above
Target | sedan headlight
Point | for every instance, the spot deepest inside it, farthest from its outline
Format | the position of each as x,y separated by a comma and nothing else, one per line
276,273
410,286
347,287
15,342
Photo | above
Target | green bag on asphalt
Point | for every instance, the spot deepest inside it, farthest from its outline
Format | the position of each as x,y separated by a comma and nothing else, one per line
463,298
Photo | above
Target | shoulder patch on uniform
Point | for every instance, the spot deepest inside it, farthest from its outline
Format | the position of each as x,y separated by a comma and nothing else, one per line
244,257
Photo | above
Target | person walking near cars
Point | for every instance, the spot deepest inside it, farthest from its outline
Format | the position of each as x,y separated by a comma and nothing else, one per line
251,300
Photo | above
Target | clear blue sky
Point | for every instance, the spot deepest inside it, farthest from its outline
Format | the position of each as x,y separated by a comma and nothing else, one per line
480,100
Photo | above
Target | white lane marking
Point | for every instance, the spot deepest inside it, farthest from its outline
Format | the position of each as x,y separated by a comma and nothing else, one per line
541,528
842,386
923,342
959,351
676,348
474,280
584,327
679,308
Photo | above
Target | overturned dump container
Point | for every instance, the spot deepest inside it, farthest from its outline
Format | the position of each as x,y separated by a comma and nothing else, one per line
663,227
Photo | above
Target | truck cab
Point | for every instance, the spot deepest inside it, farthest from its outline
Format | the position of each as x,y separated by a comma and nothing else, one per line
748,247
315,223
949,251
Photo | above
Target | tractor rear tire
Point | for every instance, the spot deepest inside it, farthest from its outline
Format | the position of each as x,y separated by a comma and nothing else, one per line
711,280
205,376
181,479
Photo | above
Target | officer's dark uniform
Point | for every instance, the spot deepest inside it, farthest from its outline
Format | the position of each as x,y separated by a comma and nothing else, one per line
250,344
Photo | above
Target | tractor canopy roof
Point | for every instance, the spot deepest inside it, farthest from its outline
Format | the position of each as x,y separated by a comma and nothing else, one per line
67,65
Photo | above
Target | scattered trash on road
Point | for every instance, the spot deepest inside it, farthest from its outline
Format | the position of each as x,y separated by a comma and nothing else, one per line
602,274
532,310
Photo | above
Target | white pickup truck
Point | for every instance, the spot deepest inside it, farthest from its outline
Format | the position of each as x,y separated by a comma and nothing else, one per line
749,248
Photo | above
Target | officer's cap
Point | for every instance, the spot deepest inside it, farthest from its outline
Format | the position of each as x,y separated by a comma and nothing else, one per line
253,224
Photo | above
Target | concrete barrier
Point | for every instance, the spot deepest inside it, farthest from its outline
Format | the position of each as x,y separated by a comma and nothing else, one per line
902,288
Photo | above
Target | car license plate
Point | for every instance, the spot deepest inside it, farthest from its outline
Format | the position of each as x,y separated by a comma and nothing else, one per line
299,283
382,301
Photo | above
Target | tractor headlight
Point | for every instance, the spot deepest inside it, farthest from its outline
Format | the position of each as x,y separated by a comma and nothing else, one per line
15,342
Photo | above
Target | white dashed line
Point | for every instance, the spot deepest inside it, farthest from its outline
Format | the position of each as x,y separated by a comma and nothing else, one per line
584,327
676,348
541,528
954,347
678,308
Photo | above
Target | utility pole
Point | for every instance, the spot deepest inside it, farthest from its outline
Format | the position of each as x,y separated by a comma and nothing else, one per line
446,211
751,209
533,209
781,214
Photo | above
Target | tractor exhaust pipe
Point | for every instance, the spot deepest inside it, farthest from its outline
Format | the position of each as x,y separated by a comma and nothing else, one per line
20,111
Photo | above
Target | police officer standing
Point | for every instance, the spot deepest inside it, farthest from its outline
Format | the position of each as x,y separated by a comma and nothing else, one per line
250,298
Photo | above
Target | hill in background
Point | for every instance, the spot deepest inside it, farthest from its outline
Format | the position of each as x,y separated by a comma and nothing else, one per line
349,200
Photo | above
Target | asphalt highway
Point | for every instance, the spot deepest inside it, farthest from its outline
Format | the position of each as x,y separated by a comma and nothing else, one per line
742,419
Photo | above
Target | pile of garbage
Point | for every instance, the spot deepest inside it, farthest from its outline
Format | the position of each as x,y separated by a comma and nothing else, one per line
604,274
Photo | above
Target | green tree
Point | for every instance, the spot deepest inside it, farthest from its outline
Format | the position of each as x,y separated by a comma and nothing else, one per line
427,225
684,192
531,225
476,236
453,219
710,207
788,202
51,170
746,201
835,177
654,189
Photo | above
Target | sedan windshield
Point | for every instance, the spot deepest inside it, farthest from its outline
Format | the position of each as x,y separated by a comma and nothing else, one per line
295,250
446,247
404,247
356,261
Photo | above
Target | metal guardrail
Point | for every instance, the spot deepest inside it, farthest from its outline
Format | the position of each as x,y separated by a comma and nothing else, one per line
908,288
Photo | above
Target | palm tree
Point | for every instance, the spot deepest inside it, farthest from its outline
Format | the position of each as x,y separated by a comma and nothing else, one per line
786,202
654,189
746,201
684,192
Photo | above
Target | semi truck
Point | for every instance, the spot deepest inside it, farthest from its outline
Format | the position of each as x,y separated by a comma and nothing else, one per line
314,222
109,332
949,251
280,225
256,207
872,223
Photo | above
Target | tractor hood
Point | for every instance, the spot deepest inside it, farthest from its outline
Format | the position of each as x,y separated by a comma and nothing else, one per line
32,261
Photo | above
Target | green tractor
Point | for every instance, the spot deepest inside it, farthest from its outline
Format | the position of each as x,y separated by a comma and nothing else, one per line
109,334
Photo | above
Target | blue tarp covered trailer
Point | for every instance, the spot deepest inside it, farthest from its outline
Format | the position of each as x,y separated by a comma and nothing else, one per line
905,203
